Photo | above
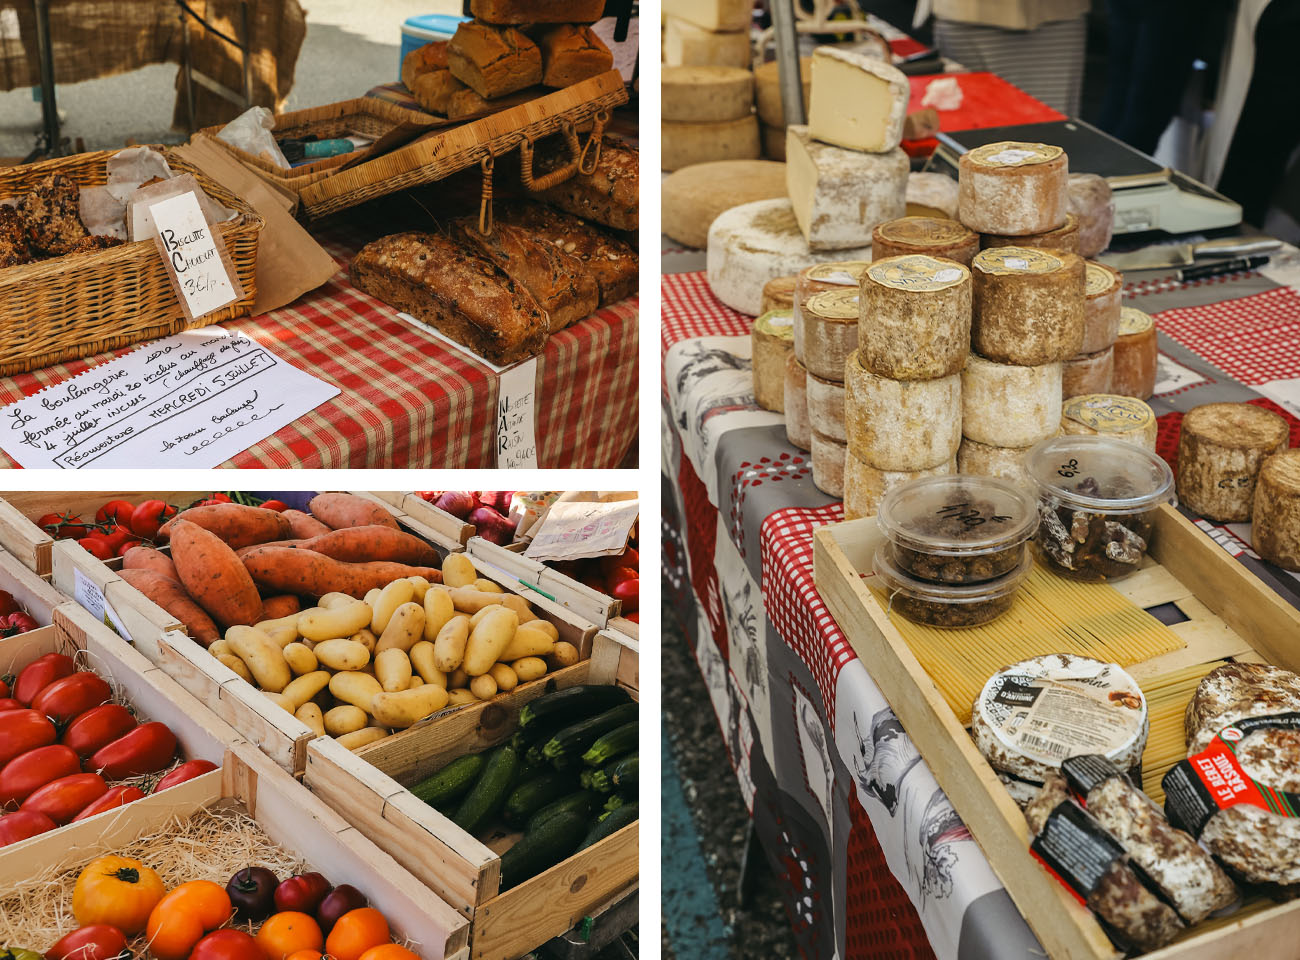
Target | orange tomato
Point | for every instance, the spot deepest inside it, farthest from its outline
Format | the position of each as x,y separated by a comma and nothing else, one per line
290,932
355,933
117,891
306,955
388,951
183,917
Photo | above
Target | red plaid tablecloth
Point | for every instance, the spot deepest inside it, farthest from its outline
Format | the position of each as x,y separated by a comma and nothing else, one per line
409,401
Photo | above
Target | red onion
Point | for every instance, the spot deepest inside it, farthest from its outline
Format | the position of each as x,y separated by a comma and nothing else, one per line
498,500
492,526
458,503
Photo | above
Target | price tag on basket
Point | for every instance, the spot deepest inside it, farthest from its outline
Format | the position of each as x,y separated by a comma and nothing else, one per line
197,264
517,417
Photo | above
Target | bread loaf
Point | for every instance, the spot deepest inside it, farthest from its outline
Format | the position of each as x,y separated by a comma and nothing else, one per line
572,53
434,90
493,61
610,195
609,260
465,104
537,11
422,60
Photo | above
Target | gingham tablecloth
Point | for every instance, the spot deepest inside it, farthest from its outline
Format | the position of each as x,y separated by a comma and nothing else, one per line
407,400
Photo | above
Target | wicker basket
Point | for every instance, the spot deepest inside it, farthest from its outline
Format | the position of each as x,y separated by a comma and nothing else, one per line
76,306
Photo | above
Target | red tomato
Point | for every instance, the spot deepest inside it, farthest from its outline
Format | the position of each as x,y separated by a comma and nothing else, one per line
629,591
115,512
7,603
186,771
146,749
149,516
63,526
633,616
97,728
23,730
227,944
97,547
98,941
39,674
127,545
4,688
24,775
118,535
17,622
23,825
65,699
279,506
9,703
116,797
66,797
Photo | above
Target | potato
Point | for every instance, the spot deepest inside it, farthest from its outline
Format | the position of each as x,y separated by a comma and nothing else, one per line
438,609
390,598
284,703
236,665
458,679
487,586
458,570
449,645
405,627
362,738
471,601
300,660
372,595
345,719
545,626
484,687
460,697
366,638
421,586
529,668
488,639
332,600
506,679
220,648
342,655
422,661
393,669
265,660
355,688
417,681
528,641
341,621
403,709
302,689
311,715
564,655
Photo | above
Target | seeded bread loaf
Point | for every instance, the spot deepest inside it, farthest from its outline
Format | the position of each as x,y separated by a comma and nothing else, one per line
465,103
609,260
434,91
609,196
493,61
426,59
572,53
537,11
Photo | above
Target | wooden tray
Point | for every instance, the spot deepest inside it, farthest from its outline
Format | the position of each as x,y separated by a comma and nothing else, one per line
367,788
289,814
1232,614
584,601
425,519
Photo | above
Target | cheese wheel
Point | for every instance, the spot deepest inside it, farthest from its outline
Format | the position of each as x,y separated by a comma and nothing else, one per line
1091,201
1027,305
865,486
931,236
914,317
857,102
1137,354
798,427
684,144
1110,415
840,195
1088,373
773,142
691,199
1103,288
1013,189
686,45
1221,448
828,464
750,244
715,15
778,294
1007,405
825,278
826,407
830,332
932,195
773,340
767,91
705,94
901,424
986,460
1064,238
1276,511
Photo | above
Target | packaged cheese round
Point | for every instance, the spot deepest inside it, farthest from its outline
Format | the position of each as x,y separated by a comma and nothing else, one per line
1276,510
1137,355
829,333
932,195
865,486
915,317
1088,373
798,428
1221,447
1110,415
828,464
773,341
1091,202
1027,305
985,460
1013,189
1005,405
826,407
932,236
901,424
693,197
705,94
1064,238
1102,289
778,294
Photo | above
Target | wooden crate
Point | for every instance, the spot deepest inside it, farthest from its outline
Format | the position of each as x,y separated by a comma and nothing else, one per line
422,514
584,601
289,814
368,788
33,594
1233,614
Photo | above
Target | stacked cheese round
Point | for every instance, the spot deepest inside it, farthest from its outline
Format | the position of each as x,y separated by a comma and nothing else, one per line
686,44
1137,354
771,111
773,342
931,236
1221,448
826,407
1064,238
931,195
901,424
798,428
1110,415
828,331
1091,202
1013,189
915,317
707,115
828,464
778,294
840,195
1276,510
1088,373
865,486
985,460
1103,288
1027,306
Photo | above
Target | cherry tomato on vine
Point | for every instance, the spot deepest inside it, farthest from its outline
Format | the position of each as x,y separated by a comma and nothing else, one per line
63,526
127,545
117,536
97,547
7,603
149,516
115,511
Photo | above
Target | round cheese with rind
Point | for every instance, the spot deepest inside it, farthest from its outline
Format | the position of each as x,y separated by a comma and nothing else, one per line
1103,288
932,195
1276,510
1137,354
839,275
860,102
1088,373
828,464
1013,189
798,427
685,144
865,486
830,331
688,45
931,236
705,94
773,341
693,197
767,92
1007,405
915,317
901,424
986,460
1064,238
1111,415
839,195
1091,201
1221,448
1027,305
826,407
778,294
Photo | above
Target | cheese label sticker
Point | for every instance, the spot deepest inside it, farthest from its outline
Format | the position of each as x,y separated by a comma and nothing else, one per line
1098,279
1010,154
924,230
1005,260
916,272
1108,413
847,272
776,323
834,305
1132,320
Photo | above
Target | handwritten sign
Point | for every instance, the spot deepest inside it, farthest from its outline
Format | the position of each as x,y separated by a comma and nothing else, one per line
517,417
575,529
192,400
197,268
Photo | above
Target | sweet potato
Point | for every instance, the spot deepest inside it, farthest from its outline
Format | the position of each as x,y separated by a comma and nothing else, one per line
149,558
303,526
339,510
213,575
171,596
305,573
237,525
240,551
284,605
361,545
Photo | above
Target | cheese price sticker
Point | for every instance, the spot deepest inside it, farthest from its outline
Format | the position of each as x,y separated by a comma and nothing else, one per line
196,265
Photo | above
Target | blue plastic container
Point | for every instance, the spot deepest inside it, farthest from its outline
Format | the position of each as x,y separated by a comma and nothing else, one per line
417,31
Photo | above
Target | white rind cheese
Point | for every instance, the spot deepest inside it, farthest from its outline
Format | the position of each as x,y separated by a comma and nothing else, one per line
837,275
826,407
865,486
773,341
1088,373
692,198
1137,354
717,15
828,464
798,427
1110,415
839,196
684,144
1276,510
1013,189
778,294
830,332
750,244
687,45
986,460
857,102
931,195
705,94
901,424
1103,291
1221,447
1027,305
767,91
1091,201
914,320
929,236
1007,405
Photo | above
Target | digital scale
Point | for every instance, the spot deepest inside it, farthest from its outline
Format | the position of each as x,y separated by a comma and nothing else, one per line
1148,196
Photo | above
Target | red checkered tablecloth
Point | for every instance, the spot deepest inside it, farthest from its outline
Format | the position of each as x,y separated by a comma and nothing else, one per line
407,400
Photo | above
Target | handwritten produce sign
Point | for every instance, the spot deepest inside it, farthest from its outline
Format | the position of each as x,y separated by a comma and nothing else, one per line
198,270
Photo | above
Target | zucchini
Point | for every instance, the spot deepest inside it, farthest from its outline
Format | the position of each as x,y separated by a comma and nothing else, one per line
542,847
572,703
451,782
490,791
539,733
583,802
610,823
613,802
622,773
568,745
531,795
586,779
615,743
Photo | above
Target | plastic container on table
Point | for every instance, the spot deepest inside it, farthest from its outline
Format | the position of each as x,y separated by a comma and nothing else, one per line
426,28
957,529
948,605
1097,497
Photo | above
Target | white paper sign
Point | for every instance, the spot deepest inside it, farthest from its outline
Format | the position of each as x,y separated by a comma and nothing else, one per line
573,529
517,417
192,255
87,593
192,400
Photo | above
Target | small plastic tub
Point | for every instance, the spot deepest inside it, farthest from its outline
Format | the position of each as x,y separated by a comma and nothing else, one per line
948,605
1097,498
957,529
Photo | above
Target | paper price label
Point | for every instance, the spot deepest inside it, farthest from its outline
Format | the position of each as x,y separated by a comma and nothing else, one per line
517,417
197,268
87,593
